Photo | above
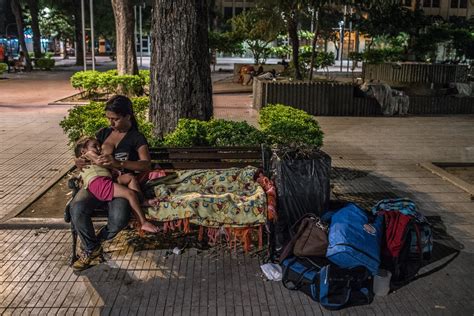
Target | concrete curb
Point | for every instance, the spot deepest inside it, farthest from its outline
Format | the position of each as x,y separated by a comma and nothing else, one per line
62,102
469,188
32,223
36,223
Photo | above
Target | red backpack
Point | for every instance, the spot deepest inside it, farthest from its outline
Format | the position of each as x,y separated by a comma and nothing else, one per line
398,254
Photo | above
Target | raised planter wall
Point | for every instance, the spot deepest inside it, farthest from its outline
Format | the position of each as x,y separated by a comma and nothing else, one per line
332,99
406,73
316,98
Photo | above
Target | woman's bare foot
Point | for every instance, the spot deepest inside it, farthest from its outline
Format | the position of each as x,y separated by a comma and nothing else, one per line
149,227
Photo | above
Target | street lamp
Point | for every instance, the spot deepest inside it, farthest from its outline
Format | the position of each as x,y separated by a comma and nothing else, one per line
84,48
140,33
341,42
84,51
91,9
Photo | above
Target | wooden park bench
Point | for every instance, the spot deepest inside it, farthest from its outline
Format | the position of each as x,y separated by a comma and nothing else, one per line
169,159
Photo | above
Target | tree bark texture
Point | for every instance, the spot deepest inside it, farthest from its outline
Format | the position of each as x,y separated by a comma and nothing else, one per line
16,10
180,64
33,5
78,33
125,34
295,44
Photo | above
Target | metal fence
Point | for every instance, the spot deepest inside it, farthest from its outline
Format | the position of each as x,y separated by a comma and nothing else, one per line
400,73
316,98
336,99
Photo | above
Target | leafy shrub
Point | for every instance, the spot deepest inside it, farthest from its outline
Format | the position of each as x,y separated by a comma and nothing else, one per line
109,82
230,133
3,67
280,124
189,132
356,56
216,132
87,81
378,56
285,125
45,63
86,120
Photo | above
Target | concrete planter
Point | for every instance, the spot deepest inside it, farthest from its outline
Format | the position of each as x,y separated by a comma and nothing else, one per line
336,99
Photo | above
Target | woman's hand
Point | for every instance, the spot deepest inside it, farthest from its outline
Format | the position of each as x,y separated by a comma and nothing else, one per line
107,161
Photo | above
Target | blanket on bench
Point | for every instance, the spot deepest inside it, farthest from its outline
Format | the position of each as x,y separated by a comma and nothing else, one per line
227,202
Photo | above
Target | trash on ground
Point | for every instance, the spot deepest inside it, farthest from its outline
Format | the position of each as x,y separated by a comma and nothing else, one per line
272,271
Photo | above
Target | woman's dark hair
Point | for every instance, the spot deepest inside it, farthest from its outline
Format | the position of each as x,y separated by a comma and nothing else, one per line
121,105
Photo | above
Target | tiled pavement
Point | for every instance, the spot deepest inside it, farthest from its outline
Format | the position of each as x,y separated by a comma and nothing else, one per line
372,158
33,148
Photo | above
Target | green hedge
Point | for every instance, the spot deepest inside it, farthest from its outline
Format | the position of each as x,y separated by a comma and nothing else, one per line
378,56
216,132
279,125
86,120
284,125
45,63
3,68
95,82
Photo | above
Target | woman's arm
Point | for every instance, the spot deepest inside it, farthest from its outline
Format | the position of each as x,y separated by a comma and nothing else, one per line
143,164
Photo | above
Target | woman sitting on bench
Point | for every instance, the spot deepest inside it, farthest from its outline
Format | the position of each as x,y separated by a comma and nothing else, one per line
130,154
99,182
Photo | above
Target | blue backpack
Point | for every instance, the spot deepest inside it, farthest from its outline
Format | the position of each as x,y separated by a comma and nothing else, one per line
355,238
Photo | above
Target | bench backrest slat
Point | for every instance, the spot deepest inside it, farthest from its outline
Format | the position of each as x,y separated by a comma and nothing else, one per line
204,149
206,165
206,157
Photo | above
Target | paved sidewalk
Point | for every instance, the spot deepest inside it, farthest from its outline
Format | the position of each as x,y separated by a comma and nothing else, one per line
33,147
372,158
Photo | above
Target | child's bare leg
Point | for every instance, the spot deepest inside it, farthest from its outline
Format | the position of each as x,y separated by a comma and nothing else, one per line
131,182
131,196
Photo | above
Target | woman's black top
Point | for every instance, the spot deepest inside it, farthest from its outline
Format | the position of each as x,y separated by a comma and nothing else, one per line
127,148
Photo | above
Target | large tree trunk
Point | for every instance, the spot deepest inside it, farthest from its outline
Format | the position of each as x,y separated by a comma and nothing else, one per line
33,5
78,33
295,44
125,33
16,9
180,66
